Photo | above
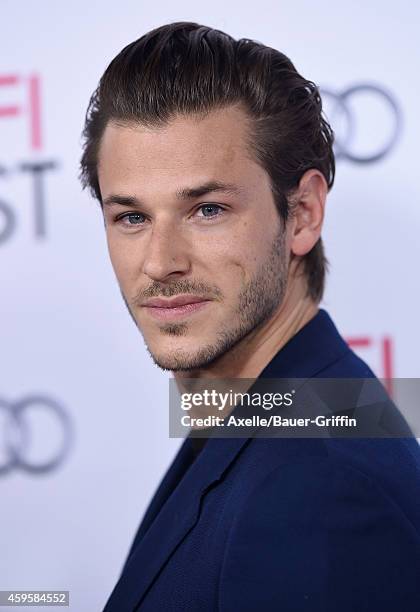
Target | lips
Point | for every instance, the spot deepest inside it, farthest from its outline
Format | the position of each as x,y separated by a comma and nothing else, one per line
180,300
175,308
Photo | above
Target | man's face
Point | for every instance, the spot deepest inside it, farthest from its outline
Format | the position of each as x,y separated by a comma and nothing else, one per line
173,232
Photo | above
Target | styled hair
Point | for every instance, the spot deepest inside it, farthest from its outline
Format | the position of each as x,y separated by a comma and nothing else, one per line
188,68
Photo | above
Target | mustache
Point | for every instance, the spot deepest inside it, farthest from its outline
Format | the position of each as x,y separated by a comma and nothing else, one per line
176,288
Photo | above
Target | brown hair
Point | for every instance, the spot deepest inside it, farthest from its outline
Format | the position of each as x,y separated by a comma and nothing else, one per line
185,67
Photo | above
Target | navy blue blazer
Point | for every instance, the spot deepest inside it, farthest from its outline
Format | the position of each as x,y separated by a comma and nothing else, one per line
290,525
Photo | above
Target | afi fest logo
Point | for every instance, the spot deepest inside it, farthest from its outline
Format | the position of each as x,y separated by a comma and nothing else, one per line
21,122
35,431
383,349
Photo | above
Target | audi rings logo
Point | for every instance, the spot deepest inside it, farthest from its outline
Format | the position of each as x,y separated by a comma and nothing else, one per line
35,434
366,120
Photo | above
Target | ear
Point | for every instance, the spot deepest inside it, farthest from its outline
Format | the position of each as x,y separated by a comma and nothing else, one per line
308,204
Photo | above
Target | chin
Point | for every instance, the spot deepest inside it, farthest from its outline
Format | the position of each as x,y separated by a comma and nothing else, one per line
184,358
173,362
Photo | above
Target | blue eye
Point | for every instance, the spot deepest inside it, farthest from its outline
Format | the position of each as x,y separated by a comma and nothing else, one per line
131,216
210,210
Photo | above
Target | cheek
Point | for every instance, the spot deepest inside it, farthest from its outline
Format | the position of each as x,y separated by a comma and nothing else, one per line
122,258
234,257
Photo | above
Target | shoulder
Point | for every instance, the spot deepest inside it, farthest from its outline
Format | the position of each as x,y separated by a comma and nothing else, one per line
347,365
310,526
326,471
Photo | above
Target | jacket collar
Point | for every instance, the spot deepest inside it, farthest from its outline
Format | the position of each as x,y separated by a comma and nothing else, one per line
313,348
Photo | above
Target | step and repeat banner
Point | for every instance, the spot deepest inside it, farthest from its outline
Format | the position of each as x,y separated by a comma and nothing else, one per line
83,411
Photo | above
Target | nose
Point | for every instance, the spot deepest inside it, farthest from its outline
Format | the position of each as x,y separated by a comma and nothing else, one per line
166,252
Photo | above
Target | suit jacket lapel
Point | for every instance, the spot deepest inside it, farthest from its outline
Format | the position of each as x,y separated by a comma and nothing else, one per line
179,466
175,519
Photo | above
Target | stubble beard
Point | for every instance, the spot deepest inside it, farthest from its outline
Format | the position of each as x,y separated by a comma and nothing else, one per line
257,302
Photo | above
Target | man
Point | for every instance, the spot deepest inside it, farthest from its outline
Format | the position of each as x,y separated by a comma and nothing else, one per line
211,161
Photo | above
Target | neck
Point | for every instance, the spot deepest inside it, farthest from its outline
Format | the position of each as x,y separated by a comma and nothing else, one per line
250,356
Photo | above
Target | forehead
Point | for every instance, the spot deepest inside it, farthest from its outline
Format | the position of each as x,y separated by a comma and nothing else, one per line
213,146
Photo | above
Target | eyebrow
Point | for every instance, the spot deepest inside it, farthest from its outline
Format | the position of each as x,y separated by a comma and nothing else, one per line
186,193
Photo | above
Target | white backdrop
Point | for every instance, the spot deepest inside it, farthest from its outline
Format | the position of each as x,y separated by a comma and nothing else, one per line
65,332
